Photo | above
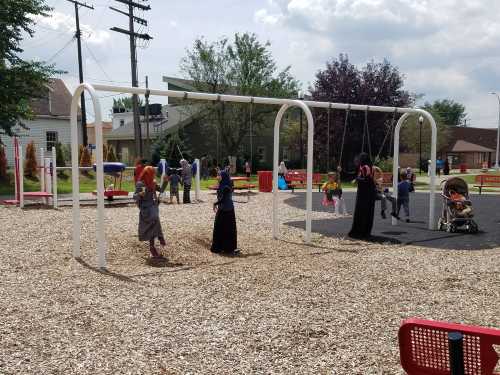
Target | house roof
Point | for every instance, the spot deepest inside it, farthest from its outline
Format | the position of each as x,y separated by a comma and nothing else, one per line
182,83
105,125
56,101
479,137
463,146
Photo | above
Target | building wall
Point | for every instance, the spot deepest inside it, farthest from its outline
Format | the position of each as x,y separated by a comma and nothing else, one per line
37,131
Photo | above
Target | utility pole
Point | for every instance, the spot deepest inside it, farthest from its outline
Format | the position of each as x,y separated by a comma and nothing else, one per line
133,60
80,67
146,114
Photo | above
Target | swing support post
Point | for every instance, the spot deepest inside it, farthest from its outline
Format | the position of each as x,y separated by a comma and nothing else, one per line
395,167
310,144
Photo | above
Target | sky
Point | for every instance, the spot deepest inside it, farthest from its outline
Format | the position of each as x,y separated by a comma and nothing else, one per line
446,49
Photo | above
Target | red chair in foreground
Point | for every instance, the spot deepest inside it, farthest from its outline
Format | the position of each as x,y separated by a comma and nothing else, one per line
425,349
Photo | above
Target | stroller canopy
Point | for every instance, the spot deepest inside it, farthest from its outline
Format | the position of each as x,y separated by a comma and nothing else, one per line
457,184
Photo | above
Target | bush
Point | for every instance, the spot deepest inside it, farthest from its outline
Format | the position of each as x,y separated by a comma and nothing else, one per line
385,165
85,160
30,164
111,154
3,164
60,159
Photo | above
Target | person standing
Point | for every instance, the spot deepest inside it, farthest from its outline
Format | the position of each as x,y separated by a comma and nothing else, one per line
225,234
365,199
446,169
204,168
186,180
248,169
149,214
282,170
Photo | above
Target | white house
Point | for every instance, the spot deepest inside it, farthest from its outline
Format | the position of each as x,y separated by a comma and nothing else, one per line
50,125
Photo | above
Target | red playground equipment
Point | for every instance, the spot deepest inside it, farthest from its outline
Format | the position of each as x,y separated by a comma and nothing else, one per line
48,179
115,170
431,348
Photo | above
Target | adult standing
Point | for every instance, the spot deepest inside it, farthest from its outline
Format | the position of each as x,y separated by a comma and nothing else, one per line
186,180
248,169
149,214
446,169
365,199
204,168
225,234
282,170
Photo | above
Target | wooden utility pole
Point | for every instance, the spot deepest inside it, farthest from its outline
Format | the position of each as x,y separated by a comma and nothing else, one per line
133,61
80,67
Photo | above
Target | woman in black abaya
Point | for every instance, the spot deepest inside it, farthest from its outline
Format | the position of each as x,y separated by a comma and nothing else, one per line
365,199
225,233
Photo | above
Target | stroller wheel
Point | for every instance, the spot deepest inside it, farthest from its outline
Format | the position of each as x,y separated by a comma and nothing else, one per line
441,225
473,228
451,228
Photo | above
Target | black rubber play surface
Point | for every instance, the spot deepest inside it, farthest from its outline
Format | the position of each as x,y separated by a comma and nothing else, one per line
486,209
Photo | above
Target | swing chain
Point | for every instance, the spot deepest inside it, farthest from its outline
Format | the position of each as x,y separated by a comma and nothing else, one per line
328,138
348,110
389,131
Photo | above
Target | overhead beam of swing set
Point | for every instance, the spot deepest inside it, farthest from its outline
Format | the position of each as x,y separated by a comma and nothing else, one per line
250,99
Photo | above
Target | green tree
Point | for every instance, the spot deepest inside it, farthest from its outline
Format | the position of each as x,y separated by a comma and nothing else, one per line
60,161
20,80
410,135
126,103
450,112
244,66
111,157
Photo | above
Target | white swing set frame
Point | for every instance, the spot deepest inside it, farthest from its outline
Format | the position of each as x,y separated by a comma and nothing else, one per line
284,104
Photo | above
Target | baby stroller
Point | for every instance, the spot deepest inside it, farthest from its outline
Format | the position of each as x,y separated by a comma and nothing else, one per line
457,208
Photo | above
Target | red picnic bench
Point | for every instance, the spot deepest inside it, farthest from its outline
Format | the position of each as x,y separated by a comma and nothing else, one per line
237,186
425,349
487,180
295,179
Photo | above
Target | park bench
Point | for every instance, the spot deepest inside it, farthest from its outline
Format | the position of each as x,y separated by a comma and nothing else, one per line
433,348
485,180
296,179
236,187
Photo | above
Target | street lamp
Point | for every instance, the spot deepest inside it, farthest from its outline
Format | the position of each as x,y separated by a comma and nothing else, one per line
420,122
497,167
301,97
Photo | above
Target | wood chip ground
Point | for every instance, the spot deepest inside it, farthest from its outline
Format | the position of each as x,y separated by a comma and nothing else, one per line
280,308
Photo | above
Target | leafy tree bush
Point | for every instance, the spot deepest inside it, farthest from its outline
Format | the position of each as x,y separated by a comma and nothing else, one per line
111,154
373,84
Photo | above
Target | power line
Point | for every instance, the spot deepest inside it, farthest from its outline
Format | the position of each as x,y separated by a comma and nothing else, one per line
97,62
62,49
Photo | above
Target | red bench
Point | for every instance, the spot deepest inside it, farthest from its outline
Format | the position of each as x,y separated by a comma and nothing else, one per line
424,349
487,180
296,179
236,187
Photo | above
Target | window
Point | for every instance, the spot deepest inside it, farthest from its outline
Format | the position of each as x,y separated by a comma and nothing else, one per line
122,122
51,140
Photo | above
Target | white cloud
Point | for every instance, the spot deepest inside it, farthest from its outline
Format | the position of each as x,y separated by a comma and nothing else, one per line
446,48
262,16
65,23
